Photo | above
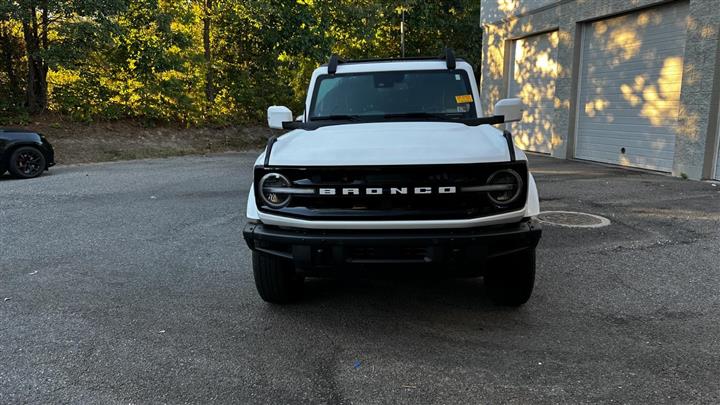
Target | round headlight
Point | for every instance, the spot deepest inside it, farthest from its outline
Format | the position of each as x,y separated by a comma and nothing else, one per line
271,190
508,186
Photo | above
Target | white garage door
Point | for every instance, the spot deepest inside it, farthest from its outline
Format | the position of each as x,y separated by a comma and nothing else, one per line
631,76
534,70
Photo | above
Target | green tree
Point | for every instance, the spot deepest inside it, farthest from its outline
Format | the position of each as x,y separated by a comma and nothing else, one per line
205,61
43,23
11,70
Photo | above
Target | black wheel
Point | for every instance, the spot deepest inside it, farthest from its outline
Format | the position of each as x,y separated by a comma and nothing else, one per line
276,279
26,163
510,279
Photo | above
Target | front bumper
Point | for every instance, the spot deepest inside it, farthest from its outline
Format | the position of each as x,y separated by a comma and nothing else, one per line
49,153
314,249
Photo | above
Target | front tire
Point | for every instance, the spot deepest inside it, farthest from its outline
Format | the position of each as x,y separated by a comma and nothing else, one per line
27,163
276,279
510,279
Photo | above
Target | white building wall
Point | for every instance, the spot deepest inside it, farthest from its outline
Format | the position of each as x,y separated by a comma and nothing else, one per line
496,10
505,21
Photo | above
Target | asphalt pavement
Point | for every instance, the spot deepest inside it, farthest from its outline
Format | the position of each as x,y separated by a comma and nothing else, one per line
130,283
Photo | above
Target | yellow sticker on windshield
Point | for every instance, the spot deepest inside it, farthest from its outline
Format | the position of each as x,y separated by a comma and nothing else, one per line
468,98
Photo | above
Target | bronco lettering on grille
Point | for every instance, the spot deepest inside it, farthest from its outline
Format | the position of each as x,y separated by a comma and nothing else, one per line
387,191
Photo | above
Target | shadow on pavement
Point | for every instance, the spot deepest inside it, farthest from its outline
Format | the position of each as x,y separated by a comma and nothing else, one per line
424,292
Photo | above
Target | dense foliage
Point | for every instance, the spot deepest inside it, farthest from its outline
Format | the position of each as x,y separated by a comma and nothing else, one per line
202,61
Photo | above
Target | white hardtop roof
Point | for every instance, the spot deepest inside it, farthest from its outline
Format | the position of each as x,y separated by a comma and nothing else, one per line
393,65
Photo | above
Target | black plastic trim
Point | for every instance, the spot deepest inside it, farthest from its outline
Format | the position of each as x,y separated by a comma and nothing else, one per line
268,149
494,120
449,58
471,122
511,145
303,245
333,64
387,236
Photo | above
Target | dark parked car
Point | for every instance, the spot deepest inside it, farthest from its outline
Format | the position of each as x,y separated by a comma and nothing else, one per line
25,154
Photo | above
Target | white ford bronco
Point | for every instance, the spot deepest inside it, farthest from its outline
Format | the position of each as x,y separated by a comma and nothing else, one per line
392,163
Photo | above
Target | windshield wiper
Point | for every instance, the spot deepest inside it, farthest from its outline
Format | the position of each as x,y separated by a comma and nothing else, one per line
440,116
338,117
451,117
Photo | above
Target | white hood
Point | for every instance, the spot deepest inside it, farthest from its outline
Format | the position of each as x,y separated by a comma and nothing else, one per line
391,143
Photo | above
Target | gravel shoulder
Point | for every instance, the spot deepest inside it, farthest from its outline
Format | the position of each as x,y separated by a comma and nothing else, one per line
129,140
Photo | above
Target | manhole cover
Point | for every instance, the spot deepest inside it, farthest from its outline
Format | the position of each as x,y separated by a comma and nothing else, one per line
573,219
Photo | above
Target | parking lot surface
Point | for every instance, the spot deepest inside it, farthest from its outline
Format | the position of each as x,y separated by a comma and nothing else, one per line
130,283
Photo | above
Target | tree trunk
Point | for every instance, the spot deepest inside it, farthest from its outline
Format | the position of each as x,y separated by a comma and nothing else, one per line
45,23
8,53
36,91
209,70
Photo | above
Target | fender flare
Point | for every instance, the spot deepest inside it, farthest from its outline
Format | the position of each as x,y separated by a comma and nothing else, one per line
11,146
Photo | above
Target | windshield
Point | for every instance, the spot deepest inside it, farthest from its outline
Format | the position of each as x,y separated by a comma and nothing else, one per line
413,94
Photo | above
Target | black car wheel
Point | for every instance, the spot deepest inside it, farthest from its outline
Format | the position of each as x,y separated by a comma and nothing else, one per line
27,163
510,279
275,279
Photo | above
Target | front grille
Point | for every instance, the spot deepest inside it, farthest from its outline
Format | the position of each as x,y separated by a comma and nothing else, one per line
410,206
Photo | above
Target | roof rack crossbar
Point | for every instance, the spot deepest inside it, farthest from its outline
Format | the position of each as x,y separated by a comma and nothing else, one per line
449,58
333,64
